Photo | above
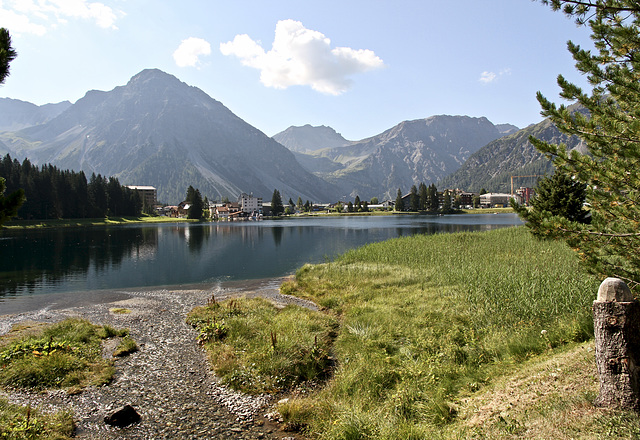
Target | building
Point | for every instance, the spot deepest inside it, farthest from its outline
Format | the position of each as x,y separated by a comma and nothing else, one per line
496,200
221,213
464,198
250,204
525,194
148,194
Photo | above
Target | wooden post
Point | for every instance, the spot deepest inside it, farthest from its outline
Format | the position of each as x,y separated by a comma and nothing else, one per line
616,319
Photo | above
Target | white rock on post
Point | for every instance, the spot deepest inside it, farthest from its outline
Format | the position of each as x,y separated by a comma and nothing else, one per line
614,289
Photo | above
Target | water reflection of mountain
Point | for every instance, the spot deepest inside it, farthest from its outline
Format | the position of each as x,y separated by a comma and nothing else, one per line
125,257
47,257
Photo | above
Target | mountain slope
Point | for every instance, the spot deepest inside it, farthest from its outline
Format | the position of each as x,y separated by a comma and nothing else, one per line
307,138
423,150
159,131
16,114
492,166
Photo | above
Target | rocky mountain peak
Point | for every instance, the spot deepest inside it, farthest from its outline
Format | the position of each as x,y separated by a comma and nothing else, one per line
159,131
308,138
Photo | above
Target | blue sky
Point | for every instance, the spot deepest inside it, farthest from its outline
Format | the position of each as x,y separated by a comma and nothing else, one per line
359,66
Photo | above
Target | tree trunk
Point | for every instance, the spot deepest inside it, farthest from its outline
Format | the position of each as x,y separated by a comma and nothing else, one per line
617,340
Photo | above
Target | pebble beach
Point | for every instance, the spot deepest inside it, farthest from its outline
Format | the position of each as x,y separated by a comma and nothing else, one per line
167,380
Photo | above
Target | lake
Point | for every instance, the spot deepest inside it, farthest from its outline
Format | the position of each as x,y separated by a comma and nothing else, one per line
66,266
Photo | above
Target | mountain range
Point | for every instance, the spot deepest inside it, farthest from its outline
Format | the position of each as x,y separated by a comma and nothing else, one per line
423,150
157,130
16,114
492,166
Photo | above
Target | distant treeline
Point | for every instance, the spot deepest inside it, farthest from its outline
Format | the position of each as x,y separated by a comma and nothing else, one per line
52,193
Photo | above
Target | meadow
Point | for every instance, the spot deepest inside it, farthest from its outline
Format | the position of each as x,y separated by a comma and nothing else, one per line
421,333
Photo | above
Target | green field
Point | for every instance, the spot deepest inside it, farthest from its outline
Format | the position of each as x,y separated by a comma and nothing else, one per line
65,223
470,335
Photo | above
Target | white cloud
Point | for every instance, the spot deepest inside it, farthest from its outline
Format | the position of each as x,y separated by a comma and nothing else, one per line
189,52
301,56
489,77
28,16
19,23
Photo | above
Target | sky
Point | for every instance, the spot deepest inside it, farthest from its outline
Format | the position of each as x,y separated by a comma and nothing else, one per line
358,66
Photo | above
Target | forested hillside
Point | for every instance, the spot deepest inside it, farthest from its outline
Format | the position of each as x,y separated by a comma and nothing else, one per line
492,166
53,193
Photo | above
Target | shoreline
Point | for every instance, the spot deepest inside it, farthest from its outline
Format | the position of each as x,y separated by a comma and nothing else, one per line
119,221
29,304
168,381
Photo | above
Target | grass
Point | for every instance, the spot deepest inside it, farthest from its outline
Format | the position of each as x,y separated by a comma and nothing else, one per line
426,329
67,355
256,347
428,319
125,347
548,397
64,223
488,211
18,423
64,355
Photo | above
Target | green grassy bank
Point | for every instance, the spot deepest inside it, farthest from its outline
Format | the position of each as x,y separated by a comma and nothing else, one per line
468,335
65,223
65,355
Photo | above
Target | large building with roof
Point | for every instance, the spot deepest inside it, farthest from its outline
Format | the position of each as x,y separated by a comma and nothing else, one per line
148,194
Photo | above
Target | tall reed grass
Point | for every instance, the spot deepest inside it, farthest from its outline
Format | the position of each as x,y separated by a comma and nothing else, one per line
425,320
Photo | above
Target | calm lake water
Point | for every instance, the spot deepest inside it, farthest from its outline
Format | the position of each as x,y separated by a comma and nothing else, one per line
61,267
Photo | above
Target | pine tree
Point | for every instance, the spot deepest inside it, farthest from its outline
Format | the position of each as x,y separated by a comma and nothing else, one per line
9,205
276,203
610,244
399,201
414,200
422,193
446,201
97,189
7,54
432,198
196,205
559,195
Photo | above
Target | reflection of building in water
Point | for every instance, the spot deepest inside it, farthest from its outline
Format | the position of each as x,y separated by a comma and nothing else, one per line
248,236
148,194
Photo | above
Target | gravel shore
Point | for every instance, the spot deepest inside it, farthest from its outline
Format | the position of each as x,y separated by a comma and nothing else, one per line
167,381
